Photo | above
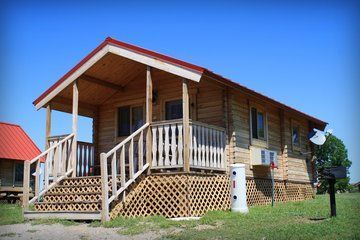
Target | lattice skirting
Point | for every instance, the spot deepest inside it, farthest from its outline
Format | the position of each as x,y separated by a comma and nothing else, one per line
193,195
175,196
259,191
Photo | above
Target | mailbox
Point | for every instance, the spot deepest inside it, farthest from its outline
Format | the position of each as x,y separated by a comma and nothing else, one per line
338,172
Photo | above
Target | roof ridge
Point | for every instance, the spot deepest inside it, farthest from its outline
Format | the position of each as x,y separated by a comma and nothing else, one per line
11,124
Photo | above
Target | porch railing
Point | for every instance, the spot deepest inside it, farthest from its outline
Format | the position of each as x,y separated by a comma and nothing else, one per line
127,160
84,155
85,159
58,165
207,145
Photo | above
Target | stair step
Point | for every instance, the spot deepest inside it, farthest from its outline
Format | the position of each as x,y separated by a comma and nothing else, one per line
72,197
75,189
84,206
68,215
89,180
63,194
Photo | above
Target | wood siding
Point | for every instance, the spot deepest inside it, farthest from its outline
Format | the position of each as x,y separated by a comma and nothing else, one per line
295,166
215,104
206,104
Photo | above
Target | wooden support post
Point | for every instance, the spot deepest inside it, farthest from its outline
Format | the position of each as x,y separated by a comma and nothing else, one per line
284,157
26,185
186,124
95,137
149,90
37,177
48,126
74,127
104,188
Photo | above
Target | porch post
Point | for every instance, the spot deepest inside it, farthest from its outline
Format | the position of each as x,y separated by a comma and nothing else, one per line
74,127
26,185
48,126
186,124
149,89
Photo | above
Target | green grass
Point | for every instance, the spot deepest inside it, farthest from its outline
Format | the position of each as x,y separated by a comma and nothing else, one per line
291,220
284,221
10,214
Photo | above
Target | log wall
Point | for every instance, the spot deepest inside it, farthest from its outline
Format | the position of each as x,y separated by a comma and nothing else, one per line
292,165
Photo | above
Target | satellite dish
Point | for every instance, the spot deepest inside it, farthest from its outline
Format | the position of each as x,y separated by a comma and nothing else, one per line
329,132
34,174
317,137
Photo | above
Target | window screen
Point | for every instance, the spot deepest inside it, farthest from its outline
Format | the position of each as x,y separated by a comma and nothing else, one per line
261,127
123,121
19,173
173,110
137,119
254,122
295,136
258,124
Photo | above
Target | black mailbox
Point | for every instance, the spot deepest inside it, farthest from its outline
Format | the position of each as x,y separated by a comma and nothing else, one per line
334,172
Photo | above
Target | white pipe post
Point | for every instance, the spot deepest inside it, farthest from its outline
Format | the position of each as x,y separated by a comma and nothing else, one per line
238,188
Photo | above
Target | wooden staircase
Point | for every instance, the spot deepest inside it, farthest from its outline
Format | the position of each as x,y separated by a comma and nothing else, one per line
83,197
76,198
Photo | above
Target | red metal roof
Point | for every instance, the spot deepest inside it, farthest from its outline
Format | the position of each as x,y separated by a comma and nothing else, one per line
15,144
178,62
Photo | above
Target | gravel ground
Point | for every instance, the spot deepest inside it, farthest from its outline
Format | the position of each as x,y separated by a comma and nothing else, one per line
58,231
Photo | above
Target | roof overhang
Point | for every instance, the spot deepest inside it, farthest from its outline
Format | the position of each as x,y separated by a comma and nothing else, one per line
146,57
239,87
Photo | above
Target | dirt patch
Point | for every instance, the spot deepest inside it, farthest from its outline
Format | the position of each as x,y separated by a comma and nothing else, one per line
58,231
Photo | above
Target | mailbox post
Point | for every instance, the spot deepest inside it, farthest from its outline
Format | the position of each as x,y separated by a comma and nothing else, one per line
331,174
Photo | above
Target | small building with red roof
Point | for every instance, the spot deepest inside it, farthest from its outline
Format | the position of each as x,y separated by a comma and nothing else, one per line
15,148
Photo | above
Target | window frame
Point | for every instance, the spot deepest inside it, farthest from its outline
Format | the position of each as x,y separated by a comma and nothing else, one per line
17,182
260,141
131,106
295,124
172,100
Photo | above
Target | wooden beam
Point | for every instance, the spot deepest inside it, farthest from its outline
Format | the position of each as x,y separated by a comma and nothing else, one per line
95,140
104,188
26,185
74,127
284,152
65,105
149,86
186,124
149,112
48,126
101,82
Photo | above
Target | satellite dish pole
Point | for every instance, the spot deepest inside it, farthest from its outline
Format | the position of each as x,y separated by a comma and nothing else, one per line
331,174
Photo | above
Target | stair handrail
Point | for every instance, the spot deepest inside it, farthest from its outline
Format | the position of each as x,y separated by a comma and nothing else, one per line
54,149
106,200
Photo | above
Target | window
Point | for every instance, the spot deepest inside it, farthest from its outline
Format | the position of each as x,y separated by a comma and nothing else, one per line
173,109
129,120
295,136
19,174
258,124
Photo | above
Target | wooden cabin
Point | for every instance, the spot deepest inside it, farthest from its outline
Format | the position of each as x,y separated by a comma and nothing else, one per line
15,148
164,135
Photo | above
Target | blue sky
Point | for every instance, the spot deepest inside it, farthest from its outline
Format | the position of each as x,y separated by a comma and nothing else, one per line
303,55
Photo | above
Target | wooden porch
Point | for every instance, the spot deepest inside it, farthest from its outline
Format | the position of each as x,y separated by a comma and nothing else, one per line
180,145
